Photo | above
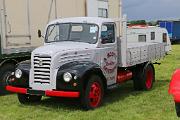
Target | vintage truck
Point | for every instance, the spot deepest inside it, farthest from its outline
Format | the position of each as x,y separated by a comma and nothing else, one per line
174,89
82,57
20,20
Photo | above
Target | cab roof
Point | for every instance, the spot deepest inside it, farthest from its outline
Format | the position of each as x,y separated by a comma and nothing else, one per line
92,20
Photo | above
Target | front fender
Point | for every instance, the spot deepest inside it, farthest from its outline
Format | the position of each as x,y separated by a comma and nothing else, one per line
174,87
25,67
78,69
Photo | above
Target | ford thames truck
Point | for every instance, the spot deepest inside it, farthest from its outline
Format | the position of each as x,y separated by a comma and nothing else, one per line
82,57
20,20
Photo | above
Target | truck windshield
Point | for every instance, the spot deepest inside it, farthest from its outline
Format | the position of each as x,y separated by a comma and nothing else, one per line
76,32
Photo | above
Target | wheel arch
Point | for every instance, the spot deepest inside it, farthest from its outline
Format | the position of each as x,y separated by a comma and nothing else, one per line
142,67
94,71
83,70
8,61
148,63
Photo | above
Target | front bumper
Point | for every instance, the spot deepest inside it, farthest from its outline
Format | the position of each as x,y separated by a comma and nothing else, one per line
49,93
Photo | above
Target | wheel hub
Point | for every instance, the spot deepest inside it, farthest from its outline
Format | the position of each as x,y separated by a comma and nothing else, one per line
95,94
149,79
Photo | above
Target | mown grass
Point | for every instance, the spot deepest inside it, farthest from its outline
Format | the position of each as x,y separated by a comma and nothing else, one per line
122,103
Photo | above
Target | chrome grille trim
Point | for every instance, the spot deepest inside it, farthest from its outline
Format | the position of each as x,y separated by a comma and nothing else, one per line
42,66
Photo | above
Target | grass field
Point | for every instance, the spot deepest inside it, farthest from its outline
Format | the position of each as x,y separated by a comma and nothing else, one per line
120,104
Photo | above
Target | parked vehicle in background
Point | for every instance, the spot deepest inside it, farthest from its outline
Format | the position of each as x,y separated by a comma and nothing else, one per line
82,57
21,19
148,34
173,28
174,89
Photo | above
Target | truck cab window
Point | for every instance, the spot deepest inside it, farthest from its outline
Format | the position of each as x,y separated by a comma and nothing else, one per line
74,32
108,33
53,33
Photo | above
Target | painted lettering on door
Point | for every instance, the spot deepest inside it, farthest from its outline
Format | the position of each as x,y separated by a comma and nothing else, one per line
110,62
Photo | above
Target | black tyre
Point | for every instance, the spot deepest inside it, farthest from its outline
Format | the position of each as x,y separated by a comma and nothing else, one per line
93,93
25,99
5,73
136,76
177,106
144,77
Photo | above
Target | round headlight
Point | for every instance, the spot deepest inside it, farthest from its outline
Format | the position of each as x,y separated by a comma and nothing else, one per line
18,73
67,77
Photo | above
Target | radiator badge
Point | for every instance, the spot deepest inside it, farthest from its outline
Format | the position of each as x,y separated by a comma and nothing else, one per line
40,62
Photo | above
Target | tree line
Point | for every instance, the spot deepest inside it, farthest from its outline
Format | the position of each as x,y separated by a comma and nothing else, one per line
143,22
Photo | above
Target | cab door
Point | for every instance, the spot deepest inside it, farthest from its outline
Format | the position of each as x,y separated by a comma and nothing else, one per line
109,52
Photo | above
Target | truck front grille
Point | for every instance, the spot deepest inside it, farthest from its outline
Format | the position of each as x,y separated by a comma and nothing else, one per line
42,69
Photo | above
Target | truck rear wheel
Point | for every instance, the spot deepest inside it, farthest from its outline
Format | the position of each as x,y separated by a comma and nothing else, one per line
144,77
177,106
93,94
24,98
5,73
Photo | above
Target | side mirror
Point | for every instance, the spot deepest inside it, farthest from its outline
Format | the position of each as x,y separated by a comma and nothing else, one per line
39,34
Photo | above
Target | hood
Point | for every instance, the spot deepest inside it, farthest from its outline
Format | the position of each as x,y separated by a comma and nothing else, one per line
53,48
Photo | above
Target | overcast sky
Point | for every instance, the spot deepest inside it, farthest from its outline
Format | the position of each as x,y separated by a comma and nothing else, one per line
151,9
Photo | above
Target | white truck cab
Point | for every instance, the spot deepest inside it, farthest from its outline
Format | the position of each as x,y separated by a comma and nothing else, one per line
76,39
82,57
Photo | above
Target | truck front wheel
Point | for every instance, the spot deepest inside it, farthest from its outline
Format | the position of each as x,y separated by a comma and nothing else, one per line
144,77
24,98
93,94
